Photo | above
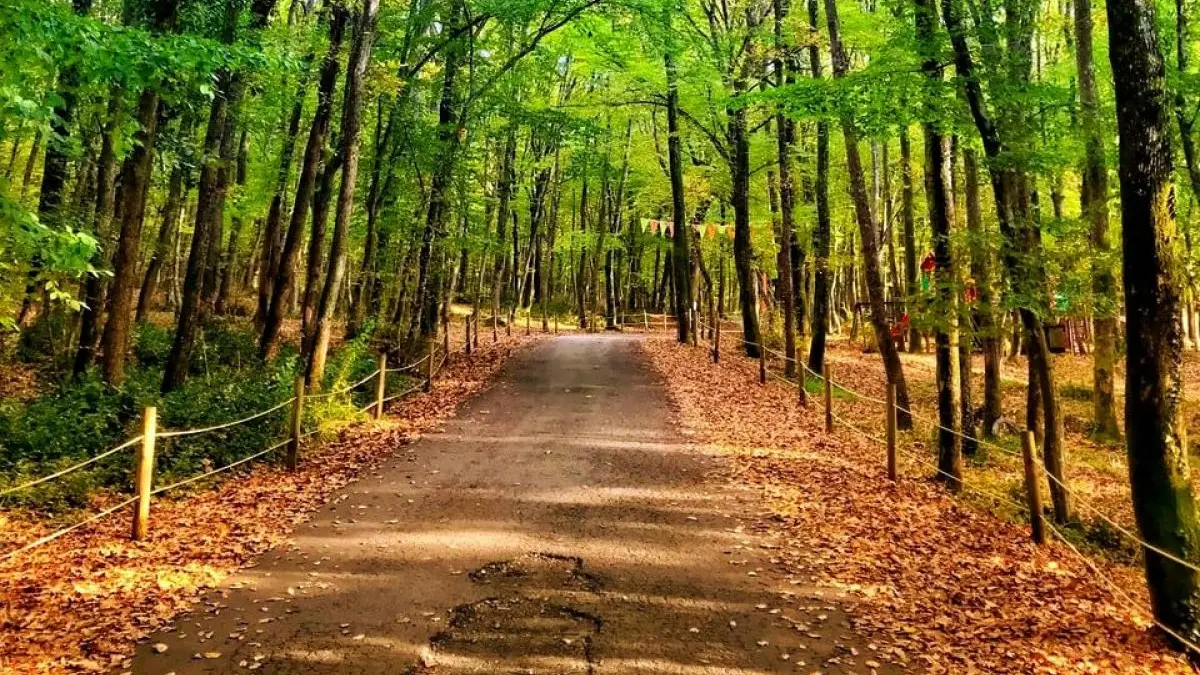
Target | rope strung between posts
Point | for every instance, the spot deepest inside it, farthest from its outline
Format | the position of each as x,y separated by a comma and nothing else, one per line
345,389
74,467
414,364
1124,531
295,438
217,427
1116,590
66,530
213,472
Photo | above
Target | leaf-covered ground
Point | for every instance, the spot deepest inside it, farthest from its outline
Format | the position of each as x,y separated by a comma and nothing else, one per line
958,588
79,603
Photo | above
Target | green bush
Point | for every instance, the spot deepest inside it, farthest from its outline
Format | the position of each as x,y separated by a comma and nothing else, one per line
84,417
151,344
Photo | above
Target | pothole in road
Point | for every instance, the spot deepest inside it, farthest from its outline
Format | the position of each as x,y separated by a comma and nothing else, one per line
531,629
541,570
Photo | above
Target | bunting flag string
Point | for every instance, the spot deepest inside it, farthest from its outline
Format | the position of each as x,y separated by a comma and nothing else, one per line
666,228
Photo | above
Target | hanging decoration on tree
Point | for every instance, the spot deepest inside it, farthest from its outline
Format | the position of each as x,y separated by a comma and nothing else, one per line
928,267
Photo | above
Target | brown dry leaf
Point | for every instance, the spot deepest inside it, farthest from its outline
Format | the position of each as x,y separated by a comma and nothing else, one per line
80,602
952,587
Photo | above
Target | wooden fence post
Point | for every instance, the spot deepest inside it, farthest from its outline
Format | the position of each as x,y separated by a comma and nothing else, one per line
801,392
467,326
446,333
429,364
828,399
293,448
144,476
380,385
891,431
717,343
695,327
1033,492
556,323
527,313
762,362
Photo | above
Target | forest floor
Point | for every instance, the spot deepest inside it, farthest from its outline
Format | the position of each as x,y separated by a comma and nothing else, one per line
953,582
558,524
612,504
78,603
1097,471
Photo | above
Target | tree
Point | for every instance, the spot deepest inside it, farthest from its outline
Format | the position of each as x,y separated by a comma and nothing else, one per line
940,201
1163,502
867,231
360,56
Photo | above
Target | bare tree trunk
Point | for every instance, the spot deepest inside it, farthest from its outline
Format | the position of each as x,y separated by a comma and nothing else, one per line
285,280
984,313
822,232
165,242
866,227
269,262
210,198
220,149
1015,212
911,290
229,260
356,68
106,187
1163,501
940,200
315,260
680,249
1094,204
135,182
785,130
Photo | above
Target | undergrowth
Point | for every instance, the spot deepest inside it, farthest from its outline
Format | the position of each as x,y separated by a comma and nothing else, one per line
80,418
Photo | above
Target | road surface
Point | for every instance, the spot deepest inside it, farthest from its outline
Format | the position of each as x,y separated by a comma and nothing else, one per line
558,524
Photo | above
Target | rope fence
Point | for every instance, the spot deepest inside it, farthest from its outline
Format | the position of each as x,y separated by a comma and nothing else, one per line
1034,471
144,444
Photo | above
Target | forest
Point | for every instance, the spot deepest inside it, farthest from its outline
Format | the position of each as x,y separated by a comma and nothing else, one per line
203,200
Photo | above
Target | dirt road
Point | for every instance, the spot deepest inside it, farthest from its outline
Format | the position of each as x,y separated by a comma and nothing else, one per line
557,525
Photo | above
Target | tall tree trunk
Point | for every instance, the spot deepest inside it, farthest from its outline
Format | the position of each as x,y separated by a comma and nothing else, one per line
911,290
283,285
269,262
983,313
503,194
366,282
229,260
106,188
866,227
210,196
1163,501
220,150
743,247
940,204
785,129
1015,212
1094,204
680,249
164,244
135,182
823,231
430,273
315,260
356,69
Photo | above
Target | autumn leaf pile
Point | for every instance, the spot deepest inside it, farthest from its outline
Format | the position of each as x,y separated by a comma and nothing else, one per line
956,588
79,603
